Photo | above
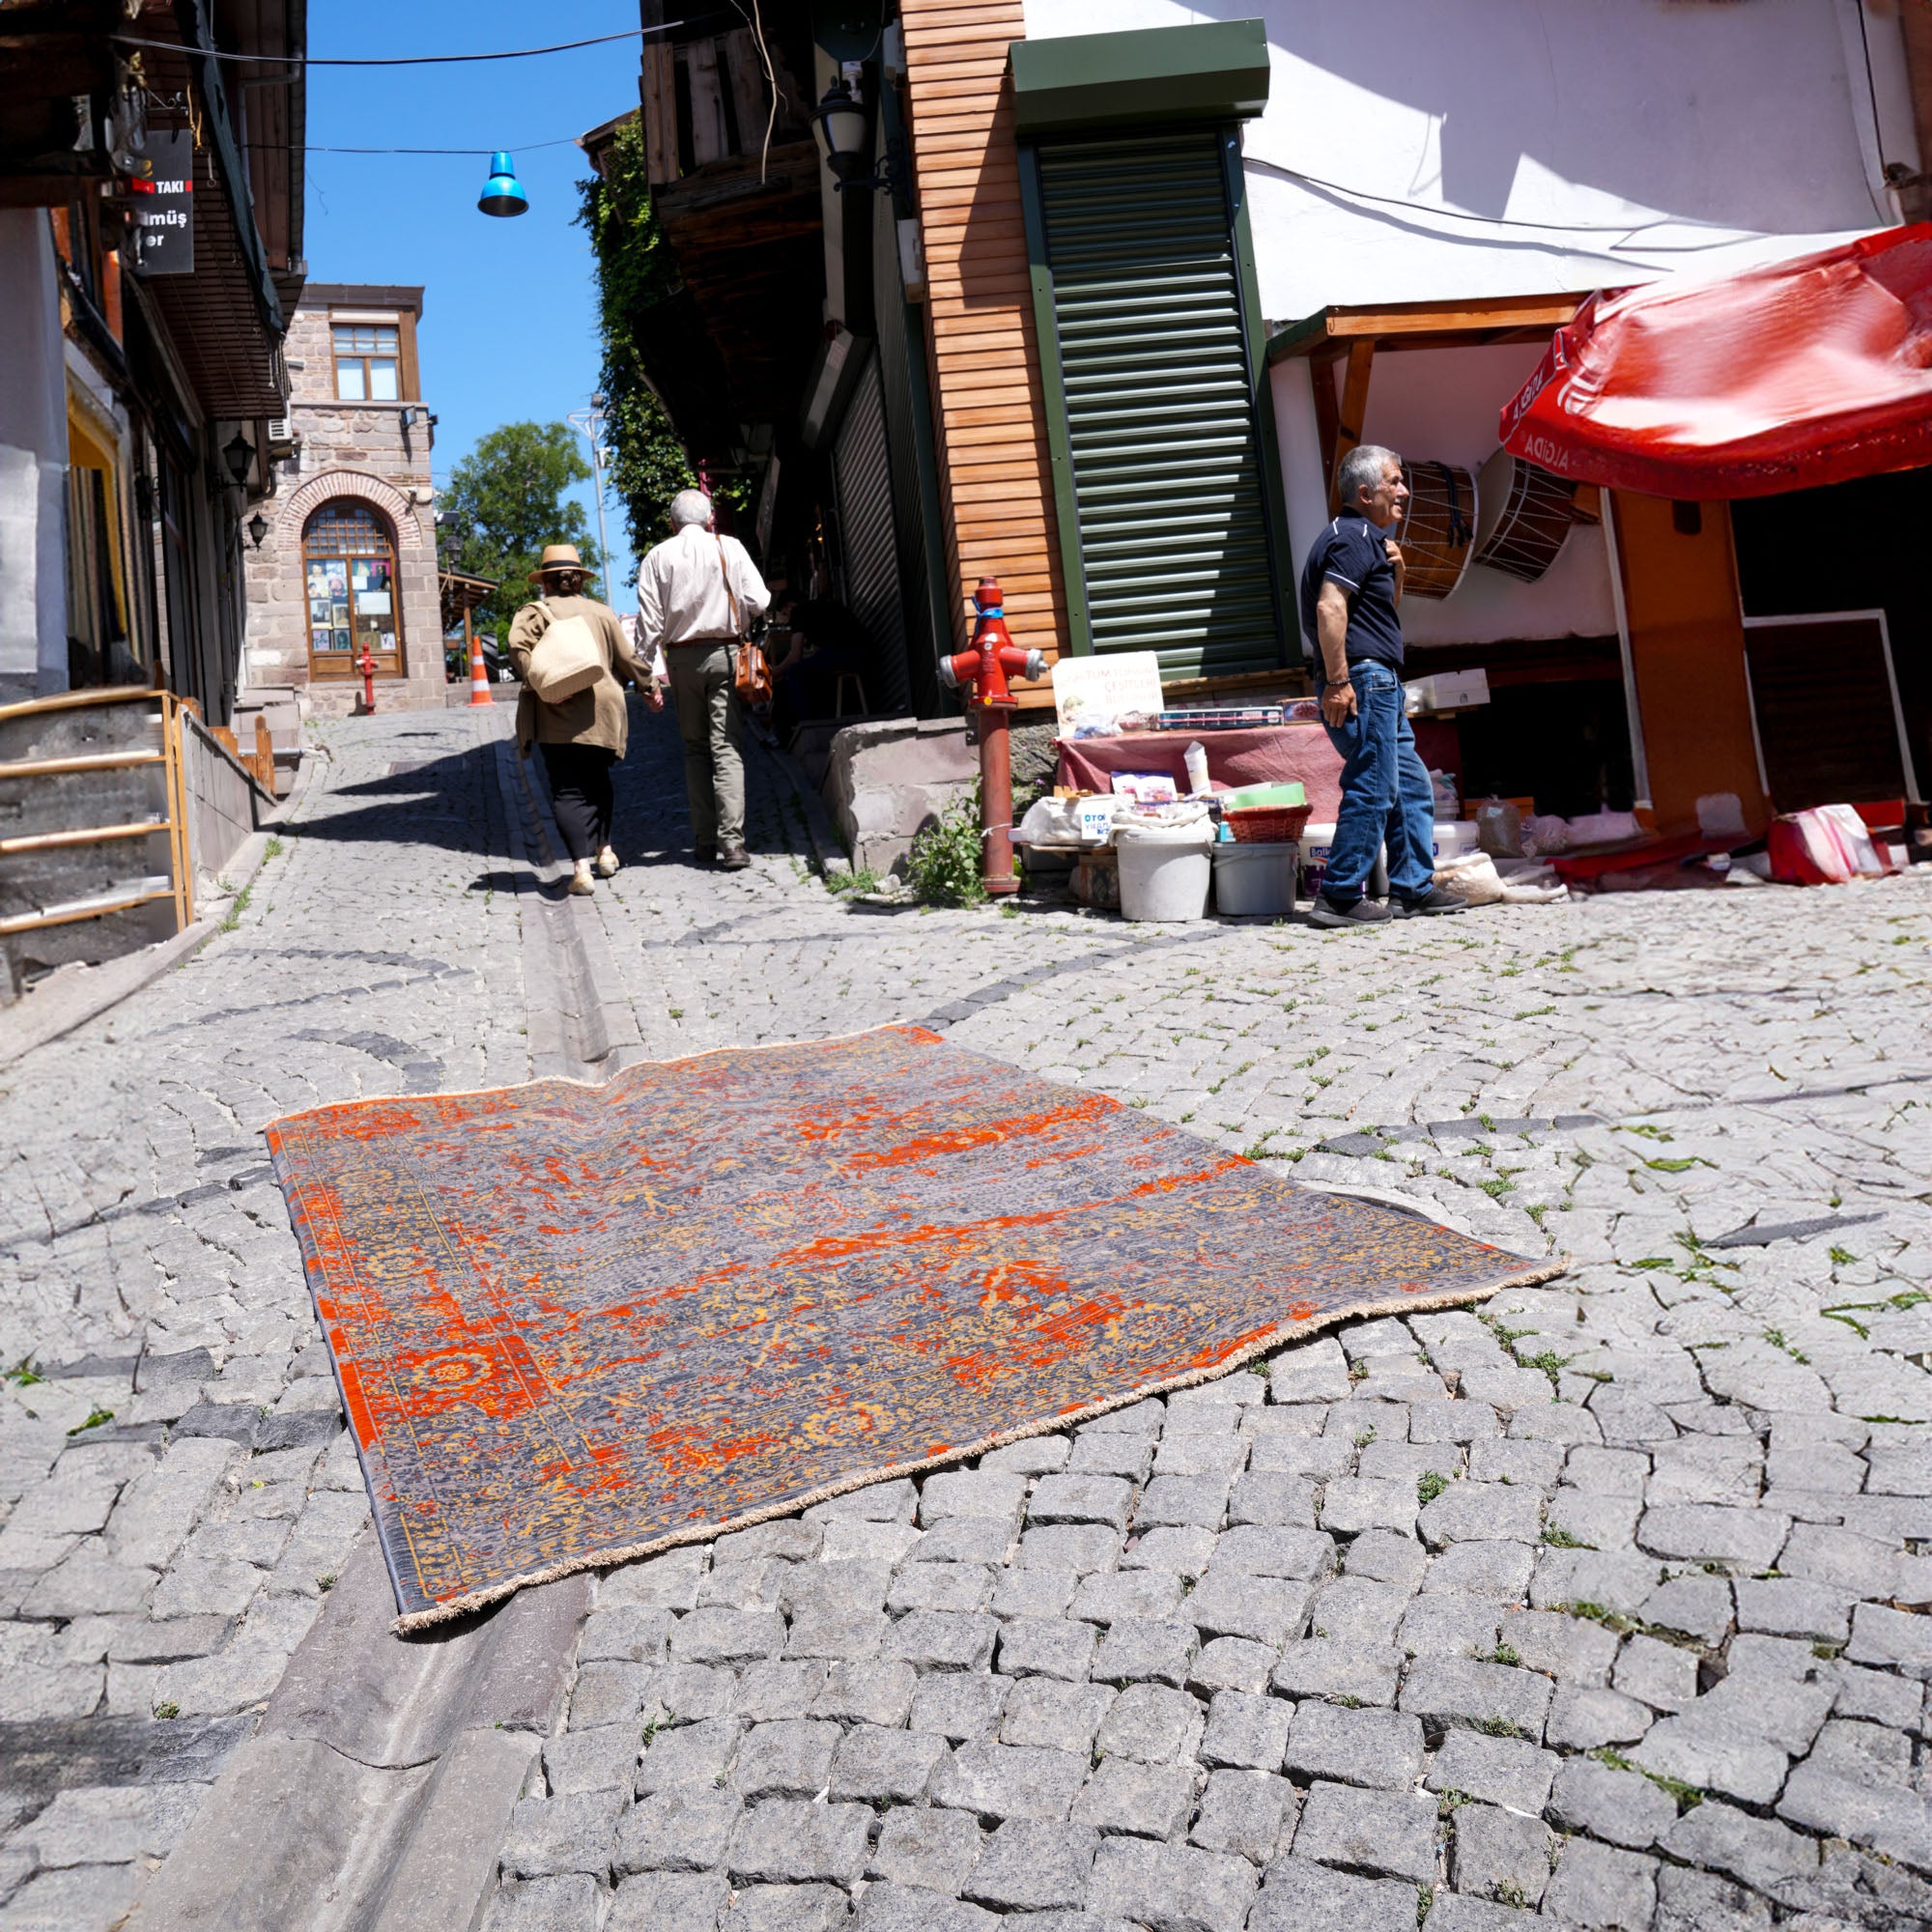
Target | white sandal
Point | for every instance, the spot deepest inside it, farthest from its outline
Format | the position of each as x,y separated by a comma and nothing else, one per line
608,862
580,881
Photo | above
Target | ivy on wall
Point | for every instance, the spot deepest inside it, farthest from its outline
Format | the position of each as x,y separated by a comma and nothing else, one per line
635,272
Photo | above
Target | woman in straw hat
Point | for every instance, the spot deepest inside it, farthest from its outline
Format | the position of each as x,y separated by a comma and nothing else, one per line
583,735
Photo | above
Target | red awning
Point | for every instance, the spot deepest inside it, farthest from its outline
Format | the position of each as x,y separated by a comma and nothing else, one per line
1800,373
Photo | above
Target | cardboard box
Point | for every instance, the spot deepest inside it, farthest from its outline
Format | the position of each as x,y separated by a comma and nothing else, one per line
1446,691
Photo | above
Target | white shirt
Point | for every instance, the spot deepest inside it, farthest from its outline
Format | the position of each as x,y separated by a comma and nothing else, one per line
681,594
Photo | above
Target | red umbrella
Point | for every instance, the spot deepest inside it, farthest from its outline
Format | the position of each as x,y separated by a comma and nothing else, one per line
1796,374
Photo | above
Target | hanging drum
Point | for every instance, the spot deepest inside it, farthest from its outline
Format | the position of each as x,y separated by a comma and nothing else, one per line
1526,514
1438,527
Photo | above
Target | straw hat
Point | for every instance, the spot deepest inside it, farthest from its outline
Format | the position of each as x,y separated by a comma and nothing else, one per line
558,556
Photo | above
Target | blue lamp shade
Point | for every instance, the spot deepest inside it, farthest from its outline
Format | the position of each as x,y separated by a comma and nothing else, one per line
502,194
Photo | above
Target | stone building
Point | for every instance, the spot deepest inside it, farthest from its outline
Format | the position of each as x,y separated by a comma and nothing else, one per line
348,560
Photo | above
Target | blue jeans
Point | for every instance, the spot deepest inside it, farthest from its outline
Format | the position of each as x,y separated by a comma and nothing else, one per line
1386,796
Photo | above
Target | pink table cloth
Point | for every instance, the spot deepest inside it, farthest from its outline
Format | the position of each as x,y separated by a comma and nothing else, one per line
1273,755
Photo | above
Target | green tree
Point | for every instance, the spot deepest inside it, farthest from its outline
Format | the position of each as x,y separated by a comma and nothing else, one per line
634,272
506,501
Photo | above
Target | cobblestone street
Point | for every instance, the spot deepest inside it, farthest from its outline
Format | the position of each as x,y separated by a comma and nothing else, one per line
1604,1601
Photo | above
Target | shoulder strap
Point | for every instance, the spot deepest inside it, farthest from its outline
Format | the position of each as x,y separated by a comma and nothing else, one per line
730,596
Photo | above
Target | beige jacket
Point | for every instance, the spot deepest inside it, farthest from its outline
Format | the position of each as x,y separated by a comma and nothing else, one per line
593,716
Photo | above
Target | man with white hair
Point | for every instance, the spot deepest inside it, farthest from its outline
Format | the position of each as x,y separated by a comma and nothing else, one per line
1350,589
697,593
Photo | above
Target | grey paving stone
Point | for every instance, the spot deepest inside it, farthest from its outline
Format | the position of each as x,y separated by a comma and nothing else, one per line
1444,1692
959,1704
689,1692
1476,1512
964,1539
1268,1610
1695,1901
1147,1801
1757,1852
80,1895
786,1908
1494,1770
1300,1895
1152,1724
880,1766
1274,1549
941,1640
1582,1720
1190,1453
788,1539
1001,1781
1749,1537
1378,1748
1038,1456
1312,1371
727,1636
627,1634
1231,1663
895,1908
670,1902
1047,1647
600,1760
1033,1593
1118,1455
1573,1649
1035,1866
1699,1606
1384,1834
1620,1806
1382,1556
998,1495
1082,1499
609,1694
1599,1886
1792,1607
1356,1610
1185,1551
1336,1667
1153,1596
1171,1887
1272,1499
1135,1651
1496,1855
685,1829
1245,1731
562,1834
1352,1504
925,1847
942,1586
1661,1675
567,1903
1842,1558
1082,1548
790,1841
1900,1639
698,1753
1199,1501
766,1692
1243,1811
1450,1626
1054,1716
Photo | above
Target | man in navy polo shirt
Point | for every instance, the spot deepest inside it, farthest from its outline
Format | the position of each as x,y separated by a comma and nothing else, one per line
1349,590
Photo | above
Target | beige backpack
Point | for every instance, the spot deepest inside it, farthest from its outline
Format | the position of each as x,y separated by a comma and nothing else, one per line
568,658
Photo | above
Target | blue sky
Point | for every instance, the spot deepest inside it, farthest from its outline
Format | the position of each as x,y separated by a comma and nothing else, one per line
509,320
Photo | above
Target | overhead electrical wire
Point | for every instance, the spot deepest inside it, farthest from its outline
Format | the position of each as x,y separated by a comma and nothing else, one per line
401,60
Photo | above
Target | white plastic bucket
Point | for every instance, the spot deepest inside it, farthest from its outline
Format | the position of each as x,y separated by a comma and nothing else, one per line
1165,869
1253,881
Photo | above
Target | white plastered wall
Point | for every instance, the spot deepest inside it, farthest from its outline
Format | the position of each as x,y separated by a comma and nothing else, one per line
1530,147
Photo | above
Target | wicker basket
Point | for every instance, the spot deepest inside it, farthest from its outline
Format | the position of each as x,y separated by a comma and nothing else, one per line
1268,824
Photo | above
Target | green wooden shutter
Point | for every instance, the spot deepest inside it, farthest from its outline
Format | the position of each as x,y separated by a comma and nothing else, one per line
1163,445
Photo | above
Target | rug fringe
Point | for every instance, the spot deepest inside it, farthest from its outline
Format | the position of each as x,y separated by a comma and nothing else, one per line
472,1601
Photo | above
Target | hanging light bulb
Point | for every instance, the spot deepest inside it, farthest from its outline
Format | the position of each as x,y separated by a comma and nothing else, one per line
502,194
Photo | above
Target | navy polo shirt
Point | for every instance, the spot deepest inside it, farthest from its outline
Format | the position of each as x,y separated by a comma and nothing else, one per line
1353,552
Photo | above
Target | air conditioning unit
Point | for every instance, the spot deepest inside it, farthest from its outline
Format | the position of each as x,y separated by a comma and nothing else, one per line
284,438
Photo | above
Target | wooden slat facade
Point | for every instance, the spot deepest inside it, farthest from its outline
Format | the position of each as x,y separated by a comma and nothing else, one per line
995,476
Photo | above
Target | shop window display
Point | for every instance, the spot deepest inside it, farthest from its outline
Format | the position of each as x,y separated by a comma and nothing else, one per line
349,562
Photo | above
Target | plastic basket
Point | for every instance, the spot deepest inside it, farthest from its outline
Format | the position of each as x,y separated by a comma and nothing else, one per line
1268,824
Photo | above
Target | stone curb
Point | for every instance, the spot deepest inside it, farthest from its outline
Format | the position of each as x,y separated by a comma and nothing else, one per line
826,845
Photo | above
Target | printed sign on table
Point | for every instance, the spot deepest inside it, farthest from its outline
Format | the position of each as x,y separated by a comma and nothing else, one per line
1091,695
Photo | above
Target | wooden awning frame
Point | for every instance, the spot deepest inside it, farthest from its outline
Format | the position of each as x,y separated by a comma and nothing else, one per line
1357,333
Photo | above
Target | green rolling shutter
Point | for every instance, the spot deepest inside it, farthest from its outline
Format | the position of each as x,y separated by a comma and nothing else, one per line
1162,449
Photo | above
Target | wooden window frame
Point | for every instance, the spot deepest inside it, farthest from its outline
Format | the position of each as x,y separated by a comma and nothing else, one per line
333,666
408,386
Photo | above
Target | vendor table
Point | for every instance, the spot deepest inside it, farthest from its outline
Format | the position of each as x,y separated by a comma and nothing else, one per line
1270,755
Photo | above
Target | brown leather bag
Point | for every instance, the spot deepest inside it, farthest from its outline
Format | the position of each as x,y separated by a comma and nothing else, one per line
752,675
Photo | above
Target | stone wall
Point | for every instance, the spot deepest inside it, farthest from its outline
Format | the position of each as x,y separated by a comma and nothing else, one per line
348,449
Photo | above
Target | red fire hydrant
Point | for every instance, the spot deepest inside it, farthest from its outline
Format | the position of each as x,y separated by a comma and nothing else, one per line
366,665
984,669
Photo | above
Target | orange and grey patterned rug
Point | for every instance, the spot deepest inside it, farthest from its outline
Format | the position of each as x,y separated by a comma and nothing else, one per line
574,1325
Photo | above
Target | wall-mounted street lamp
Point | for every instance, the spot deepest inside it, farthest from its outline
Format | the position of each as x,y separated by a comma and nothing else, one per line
258,528
839,120
238,454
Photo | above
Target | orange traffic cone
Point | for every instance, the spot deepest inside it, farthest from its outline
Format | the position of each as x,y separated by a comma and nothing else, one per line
479,678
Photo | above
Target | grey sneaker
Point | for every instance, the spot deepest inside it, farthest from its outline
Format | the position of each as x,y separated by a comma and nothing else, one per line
1441,899
1326,912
